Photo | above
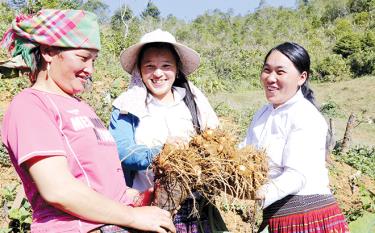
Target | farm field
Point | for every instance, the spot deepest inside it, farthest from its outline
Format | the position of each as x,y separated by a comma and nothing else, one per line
339,100
339,36
345,97
236,115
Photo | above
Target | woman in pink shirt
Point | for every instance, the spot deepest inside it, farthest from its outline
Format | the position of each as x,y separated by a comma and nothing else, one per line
66,158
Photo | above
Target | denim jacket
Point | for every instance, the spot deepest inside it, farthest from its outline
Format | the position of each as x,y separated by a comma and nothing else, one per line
133,157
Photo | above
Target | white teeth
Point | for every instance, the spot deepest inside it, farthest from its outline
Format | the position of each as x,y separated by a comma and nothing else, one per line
158,81
271,88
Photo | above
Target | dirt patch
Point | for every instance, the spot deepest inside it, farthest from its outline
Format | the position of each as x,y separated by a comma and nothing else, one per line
235,223
349,185
346,183
8,176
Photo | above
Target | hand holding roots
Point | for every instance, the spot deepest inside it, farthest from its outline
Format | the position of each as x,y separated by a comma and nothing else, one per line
211,164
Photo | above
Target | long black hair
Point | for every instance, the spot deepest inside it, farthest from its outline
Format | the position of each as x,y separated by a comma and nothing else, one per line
180,81
301,60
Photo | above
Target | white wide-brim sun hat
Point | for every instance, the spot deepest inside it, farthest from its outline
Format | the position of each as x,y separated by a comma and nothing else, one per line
189,58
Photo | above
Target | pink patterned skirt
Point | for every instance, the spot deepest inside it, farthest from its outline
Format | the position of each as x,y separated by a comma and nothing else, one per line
305,214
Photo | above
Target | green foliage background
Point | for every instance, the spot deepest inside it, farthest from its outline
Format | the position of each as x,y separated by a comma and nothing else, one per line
339,35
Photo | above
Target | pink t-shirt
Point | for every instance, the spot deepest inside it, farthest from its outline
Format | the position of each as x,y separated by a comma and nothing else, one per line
43,124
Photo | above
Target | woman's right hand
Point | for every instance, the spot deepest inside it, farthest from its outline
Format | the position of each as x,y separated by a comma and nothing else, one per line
152,218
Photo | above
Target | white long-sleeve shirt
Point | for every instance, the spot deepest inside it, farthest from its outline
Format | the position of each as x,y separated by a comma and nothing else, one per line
294,137
163,121
169,121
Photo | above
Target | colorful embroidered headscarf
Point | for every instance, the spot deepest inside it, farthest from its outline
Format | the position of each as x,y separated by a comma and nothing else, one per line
60,28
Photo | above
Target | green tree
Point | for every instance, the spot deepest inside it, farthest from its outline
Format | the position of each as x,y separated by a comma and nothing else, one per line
151,11
99,8
333,10
348,44
33,6
363,62
121,16
332,68
69,4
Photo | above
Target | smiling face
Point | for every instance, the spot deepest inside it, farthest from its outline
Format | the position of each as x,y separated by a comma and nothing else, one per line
69,70
158,70
280,78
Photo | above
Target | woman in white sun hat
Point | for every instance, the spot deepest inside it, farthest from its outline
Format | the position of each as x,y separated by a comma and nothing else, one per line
159,106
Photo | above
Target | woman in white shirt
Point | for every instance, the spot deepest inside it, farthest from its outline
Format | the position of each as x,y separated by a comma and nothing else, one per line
291,129
160,106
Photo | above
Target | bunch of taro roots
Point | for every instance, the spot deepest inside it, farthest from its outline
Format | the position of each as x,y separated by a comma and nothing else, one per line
210,164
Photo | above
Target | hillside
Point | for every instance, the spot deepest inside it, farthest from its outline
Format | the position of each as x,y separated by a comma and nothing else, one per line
350,96
339,98
339,36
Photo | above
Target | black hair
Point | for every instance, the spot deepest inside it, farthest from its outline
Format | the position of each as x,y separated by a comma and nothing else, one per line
180,81
301,60
37,63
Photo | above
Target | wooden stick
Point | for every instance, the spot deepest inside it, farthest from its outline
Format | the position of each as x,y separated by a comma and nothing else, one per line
348,134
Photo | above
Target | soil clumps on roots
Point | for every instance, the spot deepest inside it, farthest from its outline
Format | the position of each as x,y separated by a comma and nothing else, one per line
211,164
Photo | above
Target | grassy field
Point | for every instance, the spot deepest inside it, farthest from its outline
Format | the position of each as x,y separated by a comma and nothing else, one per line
236,110
342,98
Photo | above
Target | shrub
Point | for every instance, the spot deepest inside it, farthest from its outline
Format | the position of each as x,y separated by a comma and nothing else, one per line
361,158
4,158
334,10
361,18
20,219
361,5
368,41
342,27
206,79
363,62
330,109
332,68
348,44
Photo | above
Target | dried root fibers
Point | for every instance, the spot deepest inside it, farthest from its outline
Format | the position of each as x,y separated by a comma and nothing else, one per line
210,164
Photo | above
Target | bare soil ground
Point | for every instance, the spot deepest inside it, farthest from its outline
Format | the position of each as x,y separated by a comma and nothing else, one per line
345,183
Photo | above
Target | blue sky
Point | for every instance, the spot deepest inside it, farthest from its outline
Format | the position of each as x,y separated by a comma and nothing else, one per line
190,9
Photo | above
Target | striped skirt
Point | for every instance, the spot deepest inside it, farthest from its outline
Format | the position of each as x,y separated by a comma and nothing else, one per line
304,214
185,222
114,229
